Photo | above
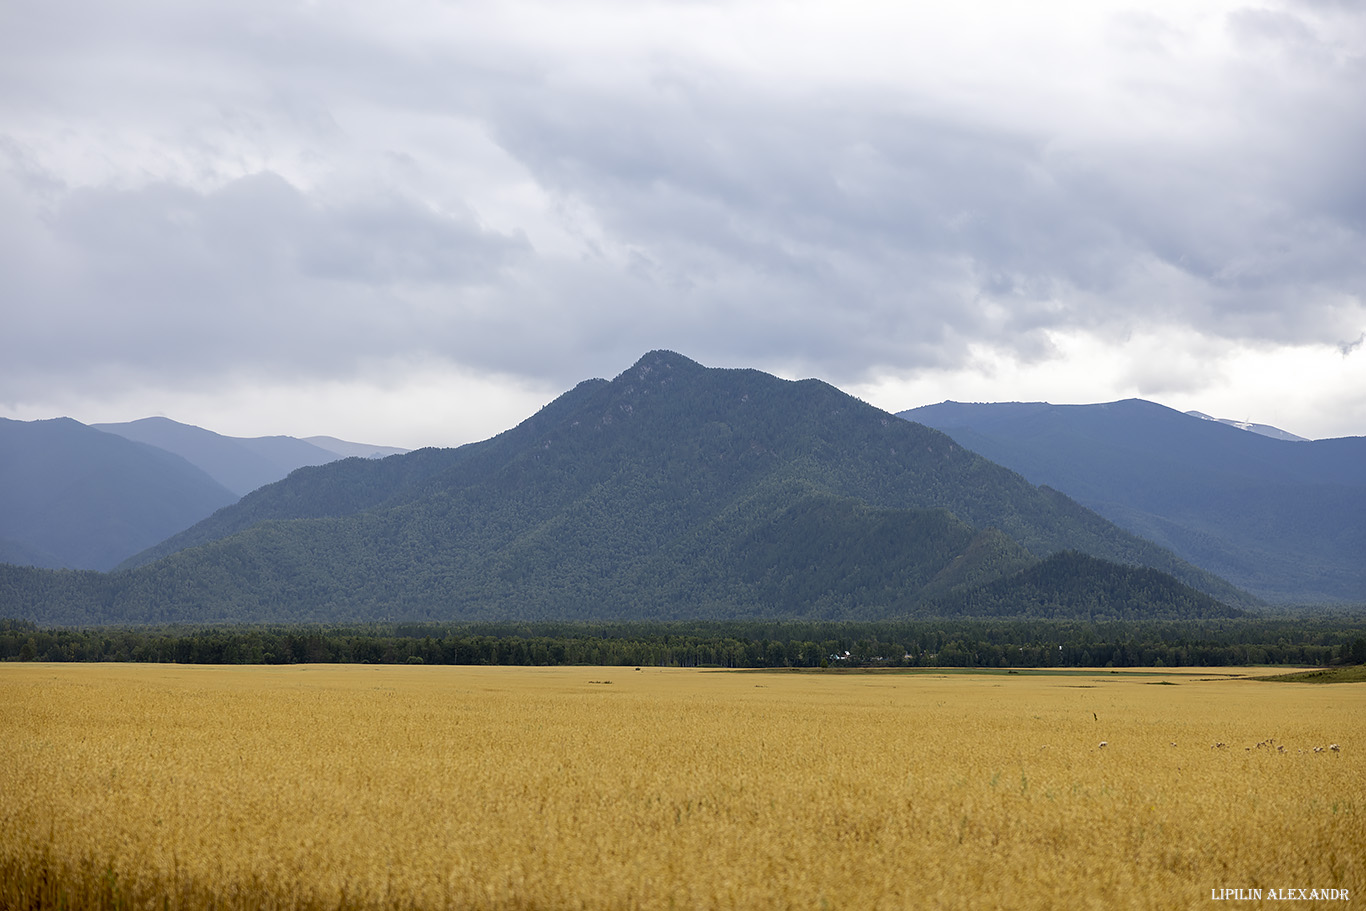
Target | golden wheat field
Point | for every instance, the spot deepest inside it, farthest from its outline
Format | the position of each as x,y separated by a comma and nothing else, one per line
139,786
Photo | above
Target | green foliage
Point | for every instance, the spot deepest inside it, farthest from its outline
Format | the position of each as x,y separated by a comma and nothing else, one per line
1070,584
733,644
1355,673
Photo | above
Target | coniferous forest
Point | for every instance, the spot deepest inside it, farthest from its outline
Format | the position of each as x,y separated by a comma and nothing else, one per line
1285,639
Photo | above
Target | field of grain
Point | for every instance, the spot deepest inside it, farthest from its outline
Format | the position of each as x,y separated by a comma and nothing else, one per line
429,787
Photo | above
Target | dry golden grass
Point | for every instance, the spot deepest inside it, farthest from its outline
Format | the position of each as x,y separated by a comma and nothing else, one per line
425,787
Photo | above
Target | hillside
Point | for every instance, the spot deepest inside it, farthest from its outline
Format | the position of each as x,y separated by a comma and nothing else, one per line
1281,519
71,496
672,491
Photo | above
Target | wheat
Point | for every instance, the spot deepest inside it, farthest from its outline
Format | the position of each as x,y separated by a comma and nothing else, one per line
445,788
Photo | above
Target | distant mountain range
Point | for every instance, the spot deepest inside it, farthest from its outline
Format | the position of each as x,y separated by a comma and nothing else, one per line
1282,518
90,496
72,496
674,491
242,464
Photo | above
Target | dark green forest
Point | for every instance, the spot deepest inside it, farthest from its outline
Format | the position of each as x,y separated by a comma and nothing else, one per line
1318,640
674,492
846,564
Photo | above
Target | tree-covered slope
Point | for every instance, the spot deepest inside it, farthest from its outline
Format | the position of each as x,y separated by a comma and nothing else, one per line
353,485
672,491
1282,519
1071,585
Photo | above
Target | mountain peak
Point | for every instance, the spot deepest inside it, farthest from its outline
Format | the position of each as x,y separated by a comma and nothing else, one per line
660,363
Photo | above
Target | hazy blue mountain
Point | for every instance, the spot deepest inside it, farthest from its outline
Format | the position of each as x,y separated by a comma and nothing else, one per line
240,464
1285,520
673,491
346,450
72,496
22,554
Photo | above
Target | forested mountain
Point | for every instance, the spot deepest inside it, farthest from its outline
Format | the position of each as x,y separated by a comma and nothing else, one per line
71,496
672,491
1285,520
240,464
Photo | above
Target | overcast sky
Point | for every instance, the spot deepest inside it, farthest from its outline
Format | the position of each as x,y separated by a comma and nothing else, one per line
413,223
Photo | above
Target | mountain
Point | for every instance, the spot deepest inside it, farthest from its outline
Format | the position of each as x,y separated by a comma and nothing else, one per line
71,496
241,464
346,450
1265,430
673,491
1285,520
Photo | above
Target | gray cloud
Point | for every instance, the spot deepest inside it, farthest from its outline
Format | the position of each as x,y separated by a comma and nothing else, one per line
917,220
186,190
255,274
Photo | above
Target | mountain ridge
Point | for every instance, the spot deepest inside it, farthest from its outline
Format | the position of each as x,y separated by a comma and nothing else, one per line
83,496
73,496
241,464
1265,430
1282,519
673,490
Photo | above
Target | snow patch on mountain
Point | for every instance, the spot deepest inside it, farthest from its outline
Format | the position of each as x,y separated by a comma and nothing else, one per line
1265,430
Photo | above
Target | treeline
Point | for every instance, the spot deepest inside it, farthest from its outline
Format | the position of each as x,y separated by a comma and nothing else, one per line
1318,641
